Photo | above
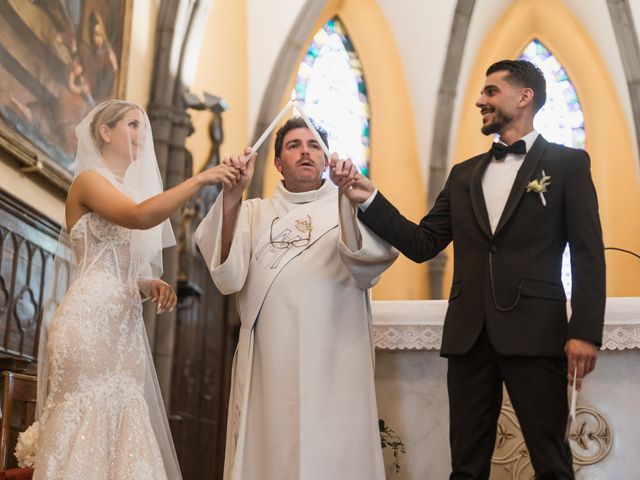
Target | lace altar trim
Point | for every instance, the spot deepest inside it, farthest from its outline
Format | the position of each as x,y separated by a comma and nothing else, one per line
429,337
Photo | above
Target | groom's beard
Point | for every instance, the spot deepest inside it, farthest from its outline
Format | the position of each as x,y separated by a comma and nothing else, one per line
500,120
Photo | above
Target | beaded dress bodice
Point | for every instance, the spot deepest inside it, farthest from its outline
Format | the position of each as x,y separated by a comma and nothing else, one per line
103,249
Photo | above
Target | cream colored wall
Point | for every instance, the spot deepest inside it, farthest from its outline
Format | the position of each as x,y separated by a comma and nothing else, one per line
605,45
141,51
395,166
421,33
268,24
614,165
223,71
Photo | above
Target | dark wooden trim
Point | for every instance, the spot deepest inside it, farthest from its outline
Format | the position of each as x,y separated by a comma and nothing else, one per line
28,214
28,243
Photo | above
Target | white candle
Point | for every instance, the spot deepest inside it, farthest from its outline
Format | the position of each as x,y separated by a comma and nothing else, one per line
270,128
315,133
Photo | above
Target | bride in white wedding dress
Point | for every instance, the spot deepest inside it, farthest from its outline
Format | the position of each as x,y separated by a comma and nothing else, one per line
100,411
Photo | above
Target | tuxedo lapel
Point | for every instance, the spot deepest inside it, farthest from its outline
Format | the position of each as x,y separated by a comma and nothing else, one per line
523,177
477,196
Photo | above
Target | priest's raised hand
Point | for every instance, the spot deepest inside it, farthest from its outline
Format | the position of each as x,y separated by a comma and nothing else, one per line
232,194
352,184
242,163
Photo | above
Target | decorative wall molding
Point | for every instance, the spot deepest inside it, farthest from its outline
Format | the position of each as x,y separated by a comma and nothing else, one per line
591,439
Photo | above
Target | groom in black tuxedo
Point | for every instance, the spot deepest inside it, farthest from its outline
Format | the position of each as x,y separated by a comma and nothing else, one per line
510,213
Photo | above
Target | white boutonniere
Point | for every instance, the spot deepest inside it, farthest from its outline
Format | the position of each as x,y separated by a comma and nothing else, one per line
539,186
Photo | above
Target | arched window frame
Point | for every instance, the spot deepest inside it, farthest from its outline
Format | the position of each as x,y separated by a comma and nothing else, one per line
360,107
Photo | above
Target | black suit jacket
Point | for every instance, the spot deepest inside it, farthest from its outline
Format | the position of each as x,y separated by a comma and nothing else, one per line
510,280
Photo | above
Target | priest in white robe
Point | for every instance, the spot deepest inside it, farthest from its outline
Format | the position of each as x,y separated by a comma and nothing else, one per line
302,404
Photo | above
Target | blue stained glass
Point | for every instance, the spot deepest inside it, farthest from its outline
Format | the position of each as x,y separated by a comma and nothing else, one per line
333,91
561,76
562,112
561,119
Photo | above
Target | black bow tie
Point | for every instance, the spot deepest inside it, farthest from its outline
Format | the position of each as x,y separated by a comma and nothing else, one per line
500,150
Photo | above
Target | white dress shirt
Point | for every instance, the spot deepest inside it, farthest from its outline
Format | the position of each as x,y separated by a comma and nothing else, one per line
498,180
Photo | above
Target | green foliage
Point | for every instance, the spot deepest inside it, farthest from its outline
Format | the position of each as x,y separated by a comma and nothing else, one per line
388,438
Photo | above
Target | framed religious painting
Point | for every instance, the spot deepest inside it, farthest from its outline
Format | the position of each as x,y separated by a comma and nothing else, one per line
58,59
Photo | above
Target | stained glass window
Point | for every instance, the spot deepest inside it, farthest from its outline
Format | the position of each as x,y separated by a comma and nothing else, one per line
561,119
331,86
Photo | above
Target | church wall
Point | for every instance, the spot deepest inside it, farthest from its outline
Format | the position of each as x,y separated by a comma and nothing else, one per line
141,51
595,20
394,168
268,24
45,198
421,33
609,140
485,14
420,36
222,70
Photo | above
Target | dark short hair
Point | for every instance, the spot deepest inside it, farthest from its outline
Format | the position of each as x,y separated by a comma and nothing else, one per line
524,74
292,124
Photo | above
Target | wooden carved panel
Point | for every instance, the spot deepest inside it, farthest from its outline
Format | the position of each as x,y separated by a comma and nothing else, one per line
201,377
27,247
205,338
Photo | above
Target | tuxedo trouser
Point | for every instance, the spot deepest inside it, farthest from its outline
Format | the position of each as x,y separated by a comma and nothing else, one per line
537,387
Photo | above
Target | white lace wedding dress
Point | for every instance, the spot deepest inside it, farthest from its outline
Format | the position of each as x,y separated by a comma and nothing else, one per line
96,423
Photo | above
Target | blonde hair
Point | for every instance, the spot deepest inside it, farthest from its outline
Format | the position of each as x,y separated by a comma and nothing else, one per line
110,113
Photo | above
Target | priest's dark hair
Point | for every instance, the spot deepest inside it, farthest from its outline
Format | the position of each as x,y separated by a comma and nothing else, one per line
292,124
524,74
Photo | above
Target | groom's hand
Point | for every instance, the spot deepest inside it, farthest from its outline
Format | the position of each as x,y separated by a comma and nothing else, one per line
352,184
581,358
